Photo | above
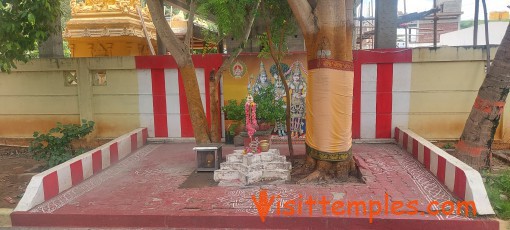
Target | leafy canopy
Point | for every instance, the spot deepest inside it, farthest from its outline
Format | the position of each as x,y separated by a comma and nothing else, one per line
24,23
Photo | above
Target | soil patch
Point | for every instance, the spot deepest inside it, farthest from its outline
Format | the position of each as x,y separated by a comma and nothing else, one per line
16,169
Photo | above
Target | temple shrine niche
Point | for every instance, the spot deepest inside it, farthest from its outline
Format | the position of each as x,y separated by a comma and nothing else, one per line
115,28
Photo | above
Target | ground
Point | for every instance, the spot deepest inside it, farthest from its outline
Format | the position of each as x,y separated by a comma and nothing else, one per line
16,169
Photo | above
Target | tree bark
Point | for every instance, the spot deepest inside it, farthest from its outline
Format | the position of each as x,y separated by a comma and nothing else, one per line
327,29
54,46
180,52
474,146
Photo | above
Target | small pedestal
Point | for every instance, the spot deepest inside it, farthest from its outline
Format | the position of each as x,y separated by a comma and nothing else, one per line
245,169
208,157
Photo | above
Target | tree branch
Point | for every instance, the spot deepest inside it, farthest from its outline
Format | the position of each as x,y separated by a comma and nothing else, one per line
168,37
189,34
302,10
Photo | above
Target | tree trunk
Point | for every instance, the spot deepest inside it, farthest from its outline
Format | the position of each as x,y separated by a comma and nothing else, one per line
180,52
327,31
474,146
215,110
53,47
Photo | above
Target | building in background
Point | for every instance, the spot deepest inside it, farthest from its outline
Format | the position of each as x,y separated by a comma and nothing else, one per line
448,20
464,37
498,15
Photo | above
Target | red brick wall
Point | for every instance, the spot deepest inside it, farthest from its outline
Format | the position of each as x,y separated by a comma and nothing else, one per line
426,32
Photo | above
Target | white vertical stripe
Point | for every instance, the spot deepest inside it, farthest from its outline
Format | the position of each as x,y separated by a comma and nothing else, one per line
401,95
420,152
145,104
87,166
368,100
173,105
64,178
124,146
139,138
201,85
105,157
449,175
433,162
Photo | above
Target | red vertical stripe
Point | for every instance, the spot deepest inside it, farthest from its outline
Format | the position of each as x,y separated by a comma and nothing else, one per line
404,141
356,103
186,127
97,162
76,172
114,153
50,185
426,157
415,149
441,168
459,187
145,135
159,103
384,100
134,142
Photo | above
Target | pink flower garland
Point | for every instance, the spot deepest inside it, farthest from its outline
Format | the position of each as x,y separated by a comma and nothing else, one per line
250,110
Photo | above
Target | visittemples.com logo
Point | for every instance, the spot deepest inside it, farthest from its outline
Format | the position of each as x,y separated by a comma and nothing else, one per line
371,208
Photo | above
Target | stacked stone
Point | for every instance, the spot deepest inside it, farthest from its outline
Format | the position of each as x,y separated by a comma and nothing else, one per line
246,169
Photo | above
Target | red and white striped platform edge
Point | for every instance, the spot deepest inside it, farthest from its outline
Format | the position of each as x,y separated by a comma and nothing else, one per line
462,180
53,181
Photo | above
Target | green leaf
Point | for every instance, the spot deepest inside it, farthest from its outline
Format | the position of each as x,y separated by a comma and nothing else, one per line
31,18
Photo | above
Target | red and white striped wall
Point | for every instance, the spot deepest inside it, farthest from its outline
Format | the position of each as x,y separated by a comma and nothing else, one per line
382,85
162,100
462,180
53,181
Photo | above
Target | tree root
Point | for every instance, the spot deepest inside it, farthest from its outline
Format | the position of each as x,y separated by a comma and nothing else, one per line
321,173
307,167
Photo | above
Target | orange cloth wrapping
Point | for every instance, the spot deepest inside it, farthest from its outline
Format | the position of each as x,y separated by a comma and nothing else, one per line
329,110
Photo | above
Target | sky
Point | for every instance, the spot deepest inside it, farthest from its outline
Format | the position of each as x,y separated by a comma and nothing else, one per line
468,6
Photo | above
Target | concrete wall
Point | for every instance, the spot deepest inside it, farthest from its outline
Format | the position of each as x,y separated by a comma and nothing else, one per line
429,91
444,85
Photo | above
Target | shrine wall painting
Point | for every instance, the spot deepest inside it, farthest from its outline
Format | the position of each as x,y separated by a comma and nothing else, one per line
250,73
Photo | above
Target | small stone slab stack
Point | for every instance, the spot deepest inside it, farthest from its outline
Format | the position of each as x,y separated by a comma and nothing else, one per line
246,169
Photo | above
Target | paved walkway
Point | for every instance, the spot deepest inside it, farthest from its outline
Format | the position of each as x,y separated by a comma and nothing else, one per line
143,191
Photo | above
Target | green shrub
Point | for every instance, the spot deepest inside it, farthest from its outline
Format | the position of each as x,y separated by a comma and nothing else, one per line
234,111
55,146
269,109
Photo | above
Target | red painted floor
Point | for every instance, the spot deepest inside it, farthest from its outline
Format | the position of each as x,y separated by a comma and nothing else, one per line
143,191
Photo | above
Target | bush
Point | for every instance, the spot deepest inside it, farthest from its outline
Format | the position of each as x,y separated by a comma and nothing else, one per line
234,111
269,109
498,189
55,146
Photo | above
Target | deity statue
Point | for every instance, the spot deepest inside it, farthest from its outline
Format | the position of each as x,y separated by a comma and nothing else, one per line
262,81
280,126
297,88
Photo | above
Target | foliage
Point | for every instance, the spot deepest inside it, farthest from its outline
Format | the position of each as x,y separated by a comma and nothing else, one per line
23,24
269,109
498,189
229,16
234,111
279,24
55,146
